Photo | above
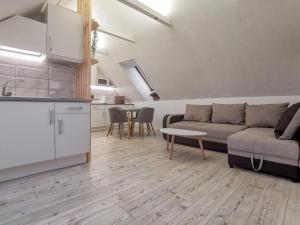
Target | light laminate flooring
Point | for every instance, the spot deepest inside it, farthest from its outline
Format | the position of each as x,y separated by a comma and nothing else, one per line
132,181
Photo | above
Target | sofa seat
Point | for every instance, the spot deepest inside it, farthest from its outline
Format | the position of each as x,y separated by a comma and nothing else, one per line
188,125
217,132
262,141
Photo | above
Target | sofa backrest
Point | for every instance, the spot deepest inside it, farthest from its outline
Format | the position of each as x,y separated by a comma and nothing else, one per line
265,115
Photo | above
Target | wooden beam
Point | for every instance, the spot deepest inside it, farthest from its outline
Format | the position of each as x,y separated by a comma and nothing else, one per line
83,71
116,34
142,8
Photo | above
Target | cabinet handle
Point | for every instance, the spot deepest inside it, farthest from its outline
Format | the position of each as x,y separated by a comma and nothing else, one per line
60,125
51,115
50,43
74,108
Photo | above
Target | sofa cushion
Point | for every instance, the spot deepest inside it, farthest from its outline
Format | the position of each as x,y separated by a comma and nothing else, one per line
200,113
228,113
285,119
262,141
264,115
220,132
188,125
292,128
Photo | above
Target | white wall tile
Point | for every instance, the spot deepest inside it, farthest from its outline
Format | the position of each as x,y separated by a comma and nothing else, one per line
32,72
7,70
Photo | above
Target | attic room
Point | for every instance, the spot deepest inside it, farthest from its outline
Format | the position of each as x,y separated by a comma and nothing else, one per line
149,112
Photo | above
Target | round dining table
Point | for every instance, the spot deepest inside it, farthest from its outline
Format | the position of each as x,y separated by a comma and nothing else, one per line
131,116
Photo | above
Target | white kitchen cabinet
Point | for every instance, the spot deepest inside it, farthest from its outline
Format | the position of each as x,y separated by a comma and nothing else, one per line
72,129
26,134
23,33
64,34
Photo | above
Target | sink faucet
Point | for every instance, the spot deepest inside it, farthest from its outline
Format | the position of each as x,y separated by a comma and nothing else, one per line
4,93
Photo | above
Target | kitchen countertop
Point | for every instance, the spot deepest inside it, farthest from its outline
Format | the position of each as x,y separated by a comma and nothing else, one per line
110,104
30,99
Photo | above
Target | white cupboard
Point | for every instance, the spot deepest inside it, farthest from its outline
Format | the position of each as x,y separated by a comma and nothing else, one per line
33,132
27,133
64,34
72,130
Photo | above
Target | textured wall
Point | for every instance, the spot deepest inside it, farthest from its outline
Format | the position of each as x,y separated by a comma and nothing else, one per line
41,79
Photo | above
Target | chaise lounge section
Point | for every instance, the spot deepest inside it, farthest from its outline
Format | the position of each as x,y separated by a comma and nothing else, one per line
246,132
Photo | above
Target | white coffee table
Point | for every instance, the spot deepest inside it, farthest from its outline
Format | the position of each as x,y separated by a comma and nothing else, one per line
182,133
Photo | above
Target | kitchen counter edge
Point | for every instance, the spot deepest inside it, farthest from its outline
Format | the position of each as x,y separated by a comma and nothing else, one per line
28,99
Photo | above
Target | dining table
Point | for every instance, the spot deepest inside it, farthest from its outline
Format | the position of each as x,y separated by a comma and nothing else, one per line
131,115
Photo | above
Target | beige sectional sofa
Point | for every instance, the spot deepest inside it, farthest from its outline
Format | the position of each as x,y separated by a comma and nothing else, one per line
245,132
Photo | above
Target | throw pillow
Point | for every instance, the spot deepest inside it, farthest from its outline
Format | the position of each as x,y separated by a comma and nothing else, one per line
200,113
285,119
292,128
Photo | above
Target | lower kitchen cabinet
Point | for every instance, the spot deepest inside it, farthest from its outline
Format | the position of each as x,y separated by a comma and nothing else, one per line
26,133
34,132
72,135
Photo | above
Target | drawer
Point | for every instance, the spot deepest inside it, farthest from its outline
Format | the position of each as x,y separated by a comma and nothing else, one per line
72,107
98,107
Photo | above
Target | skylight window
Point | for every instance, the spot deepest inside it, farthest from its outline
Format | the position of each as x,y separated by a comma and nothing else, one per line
142,75
161,6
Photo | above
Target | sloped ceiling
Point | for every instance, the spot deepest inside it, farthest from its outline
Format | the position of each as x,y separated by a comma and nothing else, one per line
214,49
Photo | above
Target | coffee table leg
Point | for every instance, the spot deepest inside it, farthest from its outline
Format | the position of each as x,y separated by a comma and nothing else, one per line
168,142
172,147
201,146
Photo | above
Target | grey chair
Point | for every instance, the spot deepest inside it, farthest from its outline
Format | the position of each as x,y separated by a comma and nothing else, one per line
117,115
145,116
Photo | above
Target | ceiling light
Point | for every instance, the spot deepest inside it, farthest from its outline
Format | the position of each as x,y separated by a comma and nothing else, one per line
102,88
21,51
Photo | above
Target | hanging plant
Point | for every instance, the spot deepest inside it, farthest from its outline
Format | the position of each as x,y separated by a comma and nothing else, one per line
94,43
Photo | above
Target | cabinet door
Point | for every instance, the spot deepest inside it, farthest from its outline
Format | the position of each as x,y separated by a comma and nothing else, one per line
72,134
98,118
64,34
26,134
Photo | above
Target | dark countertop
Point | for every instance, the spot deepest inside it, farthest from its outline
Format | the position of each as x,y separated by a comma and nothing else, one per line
29,99
110,104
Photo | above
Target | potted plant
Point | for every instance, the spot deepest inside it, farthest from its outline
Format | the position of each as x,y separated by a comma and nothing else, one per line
94,41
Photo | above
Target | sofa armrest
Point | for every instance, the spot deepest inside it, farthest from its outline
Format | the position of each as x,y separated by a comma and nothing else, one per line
172,118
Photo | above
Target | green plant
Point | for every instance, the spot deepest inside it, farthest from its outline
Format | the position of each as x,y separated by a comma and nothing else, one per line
94,43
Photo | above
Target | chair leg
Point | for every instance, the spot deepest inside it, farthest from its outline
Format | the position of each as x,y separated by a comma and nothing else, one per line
132,129
120,132
142,130
148,129
112,129
152,129
109,131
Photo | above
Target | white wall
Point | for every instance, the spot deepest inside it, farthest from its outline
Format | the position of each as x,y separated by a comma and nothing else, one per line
215,48
178,106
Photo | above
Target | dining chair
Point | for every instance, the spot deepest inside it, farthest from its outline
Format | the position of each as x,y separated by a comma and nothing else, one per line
117,115
145,116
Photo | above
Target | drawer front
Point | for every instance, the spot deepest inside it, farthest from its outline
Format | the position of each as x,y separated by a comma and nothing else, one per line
98,107
72,107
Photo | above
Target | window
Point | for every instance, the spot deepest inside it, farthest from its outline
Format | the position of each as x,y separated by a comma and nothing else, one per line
138,69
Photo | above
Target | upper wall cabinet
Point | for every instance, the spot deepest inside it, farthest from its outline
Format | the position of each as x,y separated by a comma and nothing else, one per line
64,34
23,33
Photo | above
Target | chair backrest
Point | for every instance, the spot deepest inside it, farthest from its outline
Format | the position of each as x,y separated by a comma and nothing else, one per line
145,115
117,115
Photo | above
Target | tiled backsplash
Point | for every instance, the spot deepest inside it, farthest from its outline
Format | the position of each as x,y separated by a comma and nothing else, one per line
41,79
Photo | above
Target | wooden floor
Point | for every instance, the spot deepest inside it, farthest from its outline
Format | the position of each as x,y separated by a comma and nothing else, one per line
134,182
